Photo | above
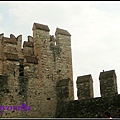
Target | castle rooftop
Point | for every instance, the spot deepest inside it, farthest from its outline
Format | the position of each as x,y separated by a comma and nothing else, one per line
62,32
40,27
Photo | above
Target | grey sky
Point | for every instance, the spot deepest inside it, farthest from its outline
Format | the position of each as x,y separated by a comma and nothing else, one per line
94,26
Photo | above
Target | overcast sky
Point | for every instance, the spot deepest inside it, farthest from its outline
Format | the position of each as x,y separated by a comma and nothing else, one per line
94,26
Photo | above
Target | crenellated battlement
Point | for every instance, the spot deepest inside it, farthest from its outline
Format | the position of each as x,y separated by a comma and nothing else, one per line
88,106
85,87
40,74
35,70
108,85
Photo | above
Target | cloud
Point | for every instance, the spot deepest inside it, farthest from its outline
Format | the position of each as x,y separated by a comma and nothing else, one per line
1,17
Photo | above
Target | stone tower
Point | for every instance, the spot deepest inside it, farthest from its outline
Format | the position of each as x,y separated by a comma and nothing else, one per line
54,68
39,74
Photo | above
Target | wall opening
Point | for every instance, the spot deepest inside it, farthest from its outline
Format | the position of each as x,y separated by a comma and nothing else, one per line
21,70
48,98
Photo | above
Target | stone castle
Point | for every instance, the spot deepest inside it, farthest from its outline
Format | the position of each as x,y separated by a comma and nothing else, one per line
40,75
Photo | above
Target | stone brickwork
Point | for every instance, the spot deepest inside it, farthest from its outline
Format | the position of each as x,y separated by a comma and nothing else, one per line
84,87
40,75
54,64
11,96
62,89
35,73
28,49
108,83
89,108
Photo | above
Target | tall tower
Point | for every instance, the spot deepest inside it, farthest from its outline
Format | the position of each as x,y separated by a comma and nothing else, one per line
54,67
64,62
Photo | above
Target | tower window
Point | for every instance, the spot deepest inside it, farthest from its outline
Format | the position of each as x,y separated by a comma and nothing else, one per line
48,98
21,70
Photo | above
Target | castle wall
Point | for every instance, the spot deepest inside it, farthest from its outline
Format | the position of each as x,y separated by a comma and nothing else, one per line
28,51
89,108
32,90
40,75
10,48
9,76
11,96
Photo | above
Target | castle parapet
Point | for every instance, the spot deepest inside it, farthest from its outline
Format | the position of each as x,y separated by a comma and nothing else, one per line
84,87
28,48
62,88
108,83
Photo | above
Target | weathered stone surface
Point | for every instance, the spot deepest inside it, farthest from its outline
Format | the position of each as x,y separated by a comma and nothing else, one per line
85,87
64,82
11,57
10,40
40,27
89,108
108,83
30,59
40,74
62,32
